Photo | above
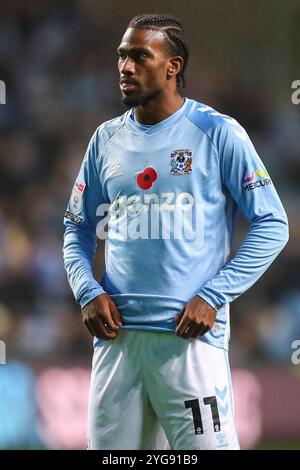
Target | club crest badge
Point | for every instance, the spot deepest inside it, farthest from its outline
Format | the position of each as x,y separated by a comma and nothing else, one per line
181,162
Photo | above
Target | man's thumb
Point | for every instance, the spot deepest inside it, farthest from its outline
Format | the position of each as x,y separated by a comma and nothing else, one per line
179,316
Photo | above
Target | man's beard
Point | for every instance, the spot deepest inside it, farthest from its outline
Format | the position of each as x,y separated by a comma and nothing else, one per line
138,100
132,100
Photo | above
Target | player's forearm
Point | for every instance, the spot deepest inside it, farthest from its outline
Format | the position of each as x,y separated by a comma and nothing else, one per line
79,251
264,241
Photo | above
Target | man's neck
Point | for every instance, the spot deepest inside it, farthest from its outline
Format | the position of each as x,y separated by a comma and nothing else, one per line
158,109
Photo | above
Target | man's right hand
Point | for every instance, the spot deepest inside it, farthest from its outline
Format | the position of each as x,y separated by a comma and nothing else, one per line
102,318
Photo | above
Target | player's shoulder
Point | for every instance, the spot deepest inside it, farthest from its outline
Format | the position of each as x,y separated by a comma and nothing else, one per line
108,128
213,122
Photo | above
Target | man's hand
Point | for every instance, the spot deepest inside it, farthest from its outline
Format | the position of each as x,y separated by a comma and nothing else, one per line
196,319
102,318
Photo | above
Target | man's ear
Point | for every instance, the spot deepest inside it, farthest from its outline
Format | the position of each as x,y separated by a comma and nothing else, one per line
174,67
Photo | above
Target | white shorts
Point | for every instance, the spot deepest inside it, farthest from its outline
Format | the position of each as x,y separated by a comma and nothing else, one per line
154,390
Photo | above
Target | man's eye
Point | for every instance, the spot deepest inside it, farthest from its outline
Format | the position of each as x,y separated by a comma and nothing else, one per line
121,56
141,57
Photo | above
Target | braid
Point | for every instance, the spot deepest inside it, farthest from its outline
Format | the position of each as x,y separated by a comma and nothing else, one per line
175,36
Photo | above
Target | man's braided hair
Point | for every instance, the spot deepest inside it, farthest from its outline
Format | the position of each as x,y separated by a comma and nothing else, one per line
175,36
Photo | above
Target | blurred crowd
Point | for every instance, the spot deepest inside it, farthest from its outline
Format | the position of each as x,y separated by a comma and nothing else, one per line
59,64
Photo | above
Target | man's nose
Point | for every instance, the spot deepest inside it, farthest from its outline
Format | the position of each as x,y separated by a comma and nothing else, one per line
127,67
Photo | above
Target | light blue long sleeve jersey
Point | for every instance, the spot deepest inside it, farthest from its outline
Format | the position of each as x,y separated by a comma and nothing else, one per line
165,198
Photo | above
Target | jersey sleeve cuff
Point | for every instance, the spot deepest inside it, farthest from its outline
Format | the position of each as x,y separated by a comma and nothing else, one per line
90,295
209,299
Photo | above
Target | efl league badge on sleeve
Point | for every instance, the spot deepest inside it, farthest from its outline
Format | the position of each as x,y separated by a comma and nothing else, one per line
76,198
181,162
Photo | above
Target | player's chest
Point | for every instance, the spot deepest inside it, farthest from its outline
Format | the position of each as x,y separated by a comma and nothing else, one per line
180,164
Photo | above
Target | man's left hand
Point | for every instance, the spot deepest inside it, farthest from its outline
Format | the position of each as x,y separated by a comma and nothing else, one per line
196,319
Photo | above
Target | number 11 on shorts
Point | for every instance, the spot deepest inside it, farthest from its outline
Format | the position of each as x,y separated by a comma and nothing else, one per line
195,406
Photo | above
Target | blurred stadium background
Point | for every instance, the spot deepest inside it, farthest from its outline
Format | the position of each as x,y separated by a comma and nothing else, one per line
58,61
